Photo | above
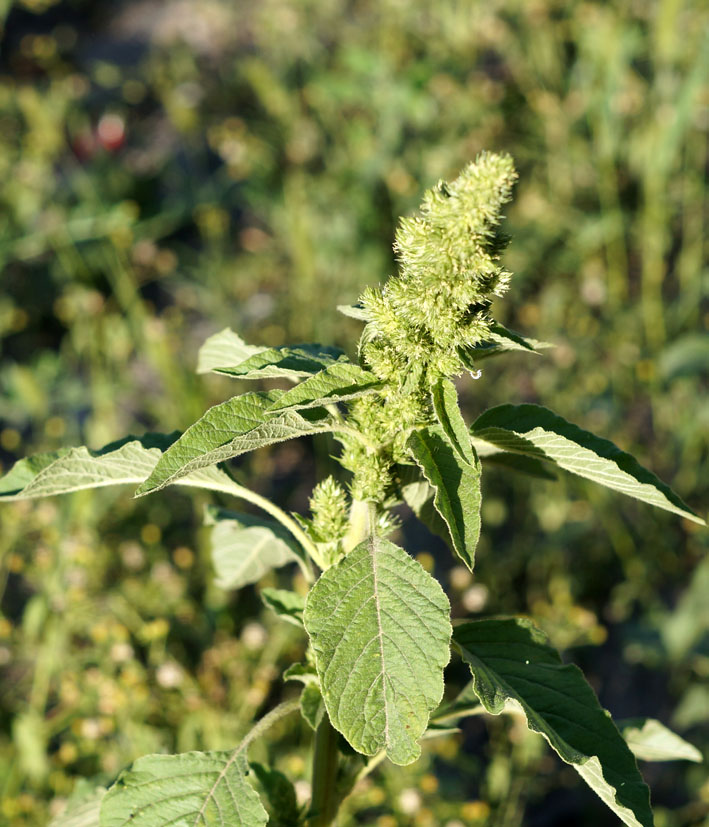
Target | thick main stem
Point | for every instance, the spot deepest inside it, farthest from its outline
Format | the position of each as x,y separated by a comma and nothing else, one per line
325,801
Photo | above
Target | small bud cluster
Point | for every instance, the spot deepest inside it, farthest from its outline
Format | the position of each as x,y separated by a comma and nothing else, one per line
329,505
449,257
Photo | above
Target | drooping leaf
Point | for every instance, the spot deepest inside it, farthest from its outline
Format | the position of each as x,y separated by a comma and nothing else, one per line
280,796
457,486
418,494
223,349
130,460
649,740
82,809
289,362
286,604
380,630
538,432
445,405
244,548
241,424
501,340
194,788
514,669
338,383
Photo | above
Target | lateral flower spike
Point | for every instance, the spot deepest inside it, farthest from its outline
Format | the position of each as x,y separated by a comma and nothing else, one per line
449,272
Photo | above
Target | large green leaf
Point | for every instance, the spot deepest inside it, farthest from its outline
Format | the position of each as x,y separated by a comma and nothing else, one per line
223,349
288,362
649,740
244,548
241,424
538,432
337,383
195,788
129,461
457,486
380,630
514,668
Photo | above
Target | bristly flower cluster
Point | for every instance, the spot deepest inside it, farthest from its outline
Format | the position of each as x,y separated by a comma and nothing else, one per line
422,320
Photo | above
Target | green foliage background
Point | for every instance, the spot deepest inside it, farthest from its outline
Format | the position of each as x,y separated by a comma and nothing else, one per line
268,150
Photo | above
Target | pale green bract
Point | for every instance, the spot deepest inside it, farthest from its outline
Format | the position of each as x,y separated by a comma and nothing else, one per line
244,548
537,432
514,669
380,631
194,789
338,383
235,427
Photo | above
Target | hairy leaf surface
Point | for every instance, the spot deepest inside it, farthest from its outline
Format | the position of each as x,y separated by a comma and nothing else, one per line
223,349
244,548
514,668
649,740
129,461
538,432
338,383
241,424
380,630
204,789
288,362
457,486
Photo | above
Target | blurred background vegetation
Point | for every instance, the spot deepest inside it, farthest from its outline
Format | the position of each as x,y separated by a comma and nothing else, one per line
171,168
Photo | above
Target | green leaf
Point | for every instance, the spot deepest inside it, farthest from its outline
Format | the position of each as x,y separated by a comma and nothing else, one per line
241,424
465,703
649,740
290,362
244,548
445,405
312,707
129,461
514,669
194,788
418,495
338,383
354,311
457,486
538,432
516,462
280,796
82,809
500,340
285,604
380,630
223,349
